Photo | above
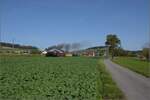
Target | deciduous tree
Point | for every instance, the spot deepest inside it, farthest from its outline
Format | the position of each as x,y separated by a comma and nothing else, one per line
113,42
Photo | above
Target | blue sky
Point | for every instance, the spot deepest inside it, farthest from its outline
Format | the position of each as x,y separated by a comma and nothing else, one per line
47,22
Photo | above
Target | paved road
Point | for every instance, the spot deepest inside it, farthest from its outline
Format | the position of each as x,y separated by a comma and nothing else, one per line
133,85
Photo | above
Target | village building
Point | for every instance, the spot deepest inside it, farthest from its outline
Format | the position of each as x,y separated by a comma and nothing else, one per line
68,55
44,52
55,53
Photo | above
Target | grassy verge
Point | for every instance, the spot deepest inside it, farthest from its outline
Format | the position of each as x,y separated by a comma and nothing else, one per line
141,67
109,89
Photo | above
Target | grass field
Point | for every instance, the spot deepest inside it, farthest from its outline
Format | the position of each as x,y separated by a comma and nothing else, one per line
142,67
42,78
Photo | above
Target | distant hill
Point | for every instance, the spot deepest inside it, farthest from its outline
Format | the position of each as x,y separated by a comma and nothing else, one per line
102,50
97,47
18,49
98,50
10,45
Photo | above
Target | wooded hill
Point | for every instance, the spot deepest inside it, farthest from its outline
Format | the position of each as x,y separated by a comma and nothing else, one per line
18,49
11,45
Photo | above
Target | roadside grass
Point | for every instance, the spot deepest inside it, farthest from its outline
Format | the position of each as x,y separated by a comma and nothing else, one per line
109,89
141,67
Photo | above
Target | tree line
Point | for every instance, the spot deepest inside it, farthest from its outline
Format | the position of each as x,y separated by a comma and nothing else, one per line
11,45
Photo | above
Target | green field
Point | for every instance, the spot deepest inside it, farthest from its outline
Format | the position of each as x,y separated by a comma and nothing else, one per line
142,67
47,78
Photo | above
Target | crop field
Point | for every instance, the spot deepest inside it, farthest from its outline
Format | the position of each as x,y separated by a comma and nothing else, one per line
47,78
142,67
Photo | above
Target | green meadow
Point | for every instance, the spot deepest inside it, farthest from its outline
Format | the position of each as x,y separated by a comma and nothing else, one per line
141,67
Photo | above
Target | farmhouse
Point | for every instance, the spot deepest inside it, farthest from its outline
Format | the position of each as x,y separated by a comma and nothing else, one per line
95,51
44,52
89,53
55,53
68,54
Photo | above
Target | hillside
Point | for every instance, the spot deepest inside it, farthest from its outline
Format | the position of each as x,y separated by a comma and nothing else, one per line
17,48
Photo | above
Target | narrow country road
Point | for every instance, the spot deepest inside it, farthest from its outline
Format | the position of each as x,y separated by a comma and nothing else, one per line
133,85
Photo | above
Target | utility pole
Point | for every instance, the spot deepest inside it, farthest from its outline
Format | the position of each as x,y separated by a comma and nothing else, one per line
107,51
13,43
149,47
0,37
0,33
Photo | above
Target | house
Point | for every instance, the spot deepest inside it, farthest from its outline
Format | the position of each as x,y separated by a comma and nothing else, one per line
55,53
141,57
98,51
89,53
68,54
44,52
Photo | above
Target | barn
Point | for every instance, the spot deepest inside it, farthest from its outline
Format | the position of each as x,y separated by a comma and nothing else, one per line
55,53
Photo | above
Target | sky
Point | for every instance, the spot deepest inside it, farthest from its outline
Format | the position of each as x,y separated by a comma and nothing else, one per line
43,23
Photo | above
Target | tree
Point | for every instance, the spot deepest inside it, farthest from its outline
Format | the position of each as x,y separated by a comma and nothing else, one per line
113,42
120,52
146,50
76,46
145,53
60,46
67,47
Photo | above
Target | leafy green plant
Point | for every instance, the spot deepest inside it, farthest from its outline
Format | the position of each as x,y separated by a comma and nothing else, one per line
66,78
